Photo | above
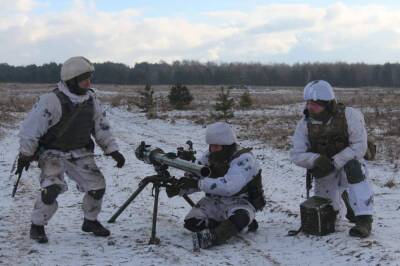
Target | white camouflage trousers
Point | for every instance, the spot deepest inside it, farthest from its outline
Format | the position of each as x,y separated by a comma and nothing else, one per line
220,208
83,171
360,194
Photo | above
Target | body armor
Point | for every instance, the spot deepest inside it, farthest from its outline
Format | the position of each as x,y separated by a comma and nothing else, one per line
75,127
329,138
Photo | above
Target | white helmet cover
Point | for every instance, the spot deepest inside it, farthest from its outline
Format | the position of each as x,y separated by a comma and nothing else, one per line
220,133
74,67
318,90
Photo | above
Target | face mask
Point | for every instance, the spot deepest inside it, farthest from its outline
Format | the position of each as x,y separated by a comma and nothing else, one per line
217,156
223,155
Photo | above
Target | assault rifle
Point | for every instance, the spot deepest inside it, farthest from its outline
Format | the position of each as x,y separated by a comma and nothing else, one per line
161,161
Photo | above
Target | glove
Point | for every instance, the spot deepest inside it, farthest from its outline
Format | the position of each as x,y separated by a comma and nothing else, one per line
188,183
172,191
323,166
23,162
118,157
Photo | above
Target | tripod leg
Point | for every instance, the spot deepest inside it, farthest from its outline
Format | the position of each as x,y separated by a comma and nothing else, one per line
188,200
154,240
127,202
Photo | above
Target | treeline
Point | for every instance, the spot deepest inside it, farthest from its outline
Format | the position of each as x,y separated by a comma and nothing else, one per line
193,72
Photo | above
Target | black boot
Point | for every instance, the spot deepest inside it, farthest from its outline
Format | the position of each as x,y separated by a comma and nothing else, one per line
363,226
203,239
217,236
350,213
37,233
95,227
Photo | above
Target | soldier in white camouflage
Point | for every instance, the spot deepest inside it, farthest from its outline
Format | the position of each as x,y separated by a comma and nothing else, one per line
331,142
234,189
58,133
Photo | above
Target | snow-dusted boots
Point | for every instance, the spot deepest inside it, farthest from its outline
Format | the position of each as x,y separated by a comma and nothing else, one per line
95,227
212,237
363,226
203,239
37,233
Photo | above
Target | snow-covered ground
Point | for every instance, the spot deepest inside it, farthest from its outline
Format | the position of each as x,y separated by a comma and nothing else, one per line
128,244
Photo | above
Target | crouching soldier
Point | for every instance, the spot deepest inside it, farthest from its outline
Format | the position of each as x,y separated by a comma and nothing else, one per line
234,190
58,131
331,141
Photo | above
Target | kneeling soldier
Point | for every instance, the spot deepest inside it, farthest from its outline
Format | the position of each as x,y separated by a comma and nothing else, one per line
233,191
58,131
331,141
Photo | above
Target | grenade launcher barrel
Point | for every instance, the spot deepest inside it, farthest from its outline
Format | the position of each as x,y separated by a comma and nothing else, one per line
157,156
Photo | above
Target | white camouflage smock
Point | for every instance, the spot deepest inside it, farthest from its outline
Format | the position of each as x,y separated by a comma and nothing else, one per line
220,201
331,186
78,164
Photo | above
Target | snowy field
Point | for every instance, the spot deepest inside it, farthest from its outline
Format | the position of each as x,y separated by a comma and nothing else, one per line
284,184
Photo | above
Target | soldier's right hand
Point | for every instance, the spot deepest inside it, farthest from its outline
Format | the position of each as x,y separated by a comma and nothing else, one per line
118,157
323,166
23,162
172,191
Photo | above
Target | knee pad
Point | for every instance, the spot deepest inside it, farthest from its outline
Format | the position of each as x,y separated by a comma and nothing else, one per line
240,219
195,225
212,223
354,172
97,194
50,193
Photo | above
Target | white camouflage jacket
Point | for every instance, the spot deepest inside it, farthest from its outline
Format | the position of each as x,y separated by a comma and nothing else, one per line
47,113
357,142
241,171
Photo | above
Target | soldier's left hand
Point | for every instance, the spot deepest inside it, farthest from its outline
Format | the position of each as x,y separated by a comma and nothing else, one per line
188,183
118,157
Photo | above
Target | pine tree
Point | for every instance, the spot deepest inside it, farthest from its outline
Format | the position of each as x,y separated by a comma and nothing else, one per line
224,105
179,96
245,100
146,102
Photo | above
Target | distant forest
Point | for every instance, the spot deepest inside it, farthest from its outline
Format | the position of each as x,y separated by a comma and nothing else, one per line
193,72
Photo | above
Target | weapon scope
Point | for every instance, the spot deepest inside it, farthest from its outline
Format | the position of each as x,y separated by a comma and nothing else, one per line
158,157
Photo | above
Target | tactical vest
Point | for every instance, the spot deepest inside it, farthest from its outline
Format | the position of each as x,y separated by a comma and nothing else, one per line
330,139
254,189
74,129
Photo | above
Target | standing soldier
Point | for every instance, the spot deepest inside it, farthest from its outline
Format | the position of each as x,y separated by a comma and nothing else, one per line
331,141
57,132
234,189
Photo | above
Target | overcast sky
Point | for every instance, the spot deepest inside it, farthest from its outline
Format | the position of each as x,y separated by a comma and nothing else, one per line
37,32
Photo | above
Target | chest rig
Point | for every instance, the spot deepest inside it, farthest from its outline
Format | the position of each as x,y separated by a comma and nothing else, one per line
253,190
331,137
